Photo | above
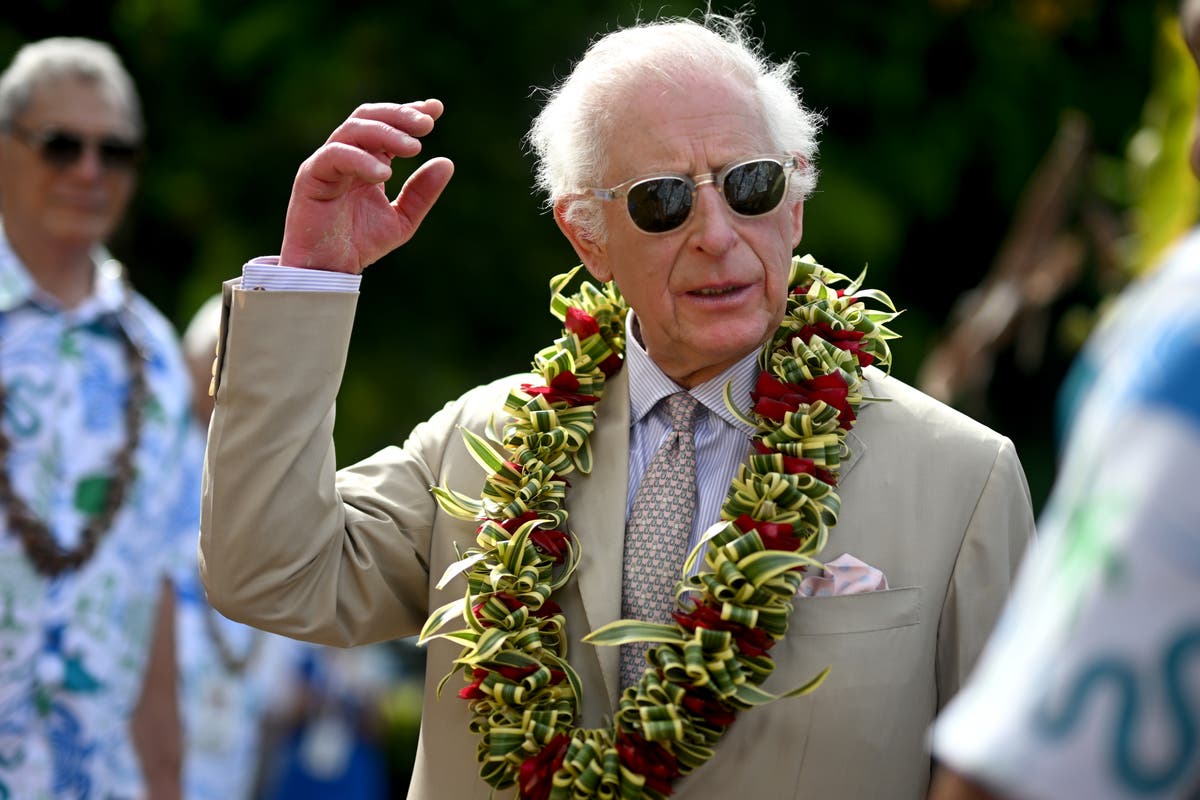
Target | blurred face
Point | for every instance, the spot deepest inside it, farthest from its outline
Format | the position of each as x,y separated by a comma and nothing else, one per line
1189,16
75,202
715,288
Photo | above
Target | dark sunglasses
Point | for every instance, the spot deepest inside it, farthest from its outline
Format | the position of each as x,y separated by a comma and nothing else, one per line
662,202
63,149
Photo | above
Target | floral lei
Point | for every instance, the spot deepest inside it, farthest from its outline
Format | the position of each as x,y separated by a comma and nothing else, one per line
710,662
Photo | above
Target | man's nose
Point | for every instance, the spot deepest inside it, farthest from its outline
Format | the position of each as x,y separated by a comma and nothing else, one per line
89,164
713,229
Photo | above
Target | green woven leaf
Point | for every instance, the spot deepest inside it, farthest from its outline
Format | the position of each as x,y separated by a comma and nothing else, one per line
489,644
481,451
456,504
440,617
572,675
811,686
732,405
749,695
442,683
559,303
458,567
626,631
582,458
877,296
463,638
763,566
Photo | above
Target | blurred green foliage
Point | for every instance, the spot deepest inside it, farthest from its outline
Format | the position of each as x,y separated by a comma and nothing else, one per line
1163,192
938,111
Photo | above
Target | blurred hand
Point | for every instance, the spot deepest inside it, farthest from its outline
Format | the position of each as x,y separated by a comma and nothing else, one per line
339,217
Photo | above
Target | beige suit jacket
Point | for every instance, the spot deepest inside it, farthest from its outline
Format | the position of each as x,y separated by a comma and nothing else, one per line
293,545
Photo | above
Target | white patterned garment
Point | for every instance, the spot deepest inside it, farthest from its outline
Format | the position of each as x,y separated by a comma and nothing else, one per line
1090,686
73,648
223,704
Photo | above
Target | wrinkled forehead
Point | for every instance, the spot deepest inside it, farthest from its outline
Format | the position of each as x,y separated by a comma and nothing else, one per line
668,118
647,81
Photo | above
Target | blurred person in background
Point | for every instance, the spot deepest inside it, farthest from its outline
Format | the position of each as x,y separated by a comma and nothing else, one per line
325,730
266,716
94,419
232,677
1090,686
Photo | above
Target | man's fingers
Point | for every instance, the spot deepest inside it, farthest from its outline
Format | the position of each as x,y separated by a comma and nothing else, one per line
388,130
433,107
339,216
331,169
413,119
398,113
422,190
380,139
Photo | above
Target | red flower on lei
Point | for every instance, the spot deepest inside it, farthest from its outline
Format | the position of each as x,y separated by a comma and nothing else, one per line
773,398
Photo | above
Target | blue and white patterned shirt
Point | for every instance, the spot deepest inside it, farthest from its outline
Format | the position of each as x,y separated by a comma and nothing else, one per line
223,706
1090,686
73,648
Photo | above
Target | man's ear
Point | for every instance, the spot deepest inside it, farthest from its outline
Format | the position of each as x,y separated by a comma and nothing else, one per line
797,223
591,252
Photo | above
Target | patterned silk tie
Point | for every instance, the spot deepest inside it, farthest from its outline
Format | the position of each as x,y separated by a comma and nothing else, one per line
656,536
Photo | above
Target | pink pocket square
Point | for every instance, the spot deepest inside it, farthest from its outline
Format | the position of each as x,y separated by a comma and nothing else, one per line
844,575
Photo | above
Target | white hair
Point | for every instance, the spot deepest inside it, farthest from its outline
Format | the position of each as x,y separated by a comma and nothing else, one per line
48,60
569,138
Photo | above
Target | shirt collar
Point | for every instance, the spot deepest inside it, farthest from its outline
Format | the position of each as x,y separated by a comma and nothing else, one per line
17,286
648,384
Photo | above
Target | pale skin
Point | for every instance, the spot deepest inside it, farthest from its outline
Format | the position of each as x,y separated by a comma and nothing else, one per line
705,294
339,217
714,289
54,216
156,726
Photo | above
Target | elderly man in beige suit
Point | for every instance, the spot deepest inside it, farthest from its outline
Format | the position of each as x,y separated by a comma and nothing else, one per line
675,117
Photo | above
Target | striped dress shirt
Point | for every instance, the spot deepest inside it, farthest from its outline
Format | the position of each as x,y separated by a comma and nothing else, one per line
722,440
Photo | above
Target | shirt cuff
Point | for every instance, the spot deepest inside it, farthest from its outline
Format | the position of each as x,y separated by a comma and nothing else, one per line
265,272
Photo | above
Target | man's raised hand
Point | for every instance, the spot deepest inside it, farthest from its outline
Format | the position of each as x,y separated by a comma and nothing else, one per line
339,217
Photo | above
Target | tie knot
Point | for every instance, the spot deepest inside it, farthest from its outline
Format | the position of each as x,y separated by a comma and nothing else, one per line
681,409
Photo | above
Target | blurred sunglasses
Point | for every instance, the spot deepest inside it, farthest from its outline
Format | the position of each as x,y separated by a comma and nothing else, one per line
662,202
62,149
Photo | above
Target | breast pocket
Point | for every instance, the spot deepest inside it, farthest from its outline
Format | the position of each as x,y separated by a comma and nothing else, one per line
856,613
866,640
835,742
878,699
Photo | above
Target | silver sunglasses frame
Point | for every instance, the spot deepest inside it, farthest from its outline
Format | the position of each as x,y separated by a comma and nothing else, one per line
789,163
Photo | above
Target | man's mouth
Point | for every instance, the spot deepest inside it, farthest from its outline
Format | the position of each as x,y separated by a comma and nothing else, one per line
716,291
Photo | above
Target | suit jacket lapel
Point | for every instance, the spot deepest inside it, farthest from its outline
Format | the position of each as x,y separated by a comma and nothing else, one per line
597,516
856,448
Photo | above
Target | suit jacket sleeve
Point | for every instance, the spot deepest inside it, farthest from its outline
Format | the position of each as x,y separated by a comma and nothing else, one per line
286,543
999,529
